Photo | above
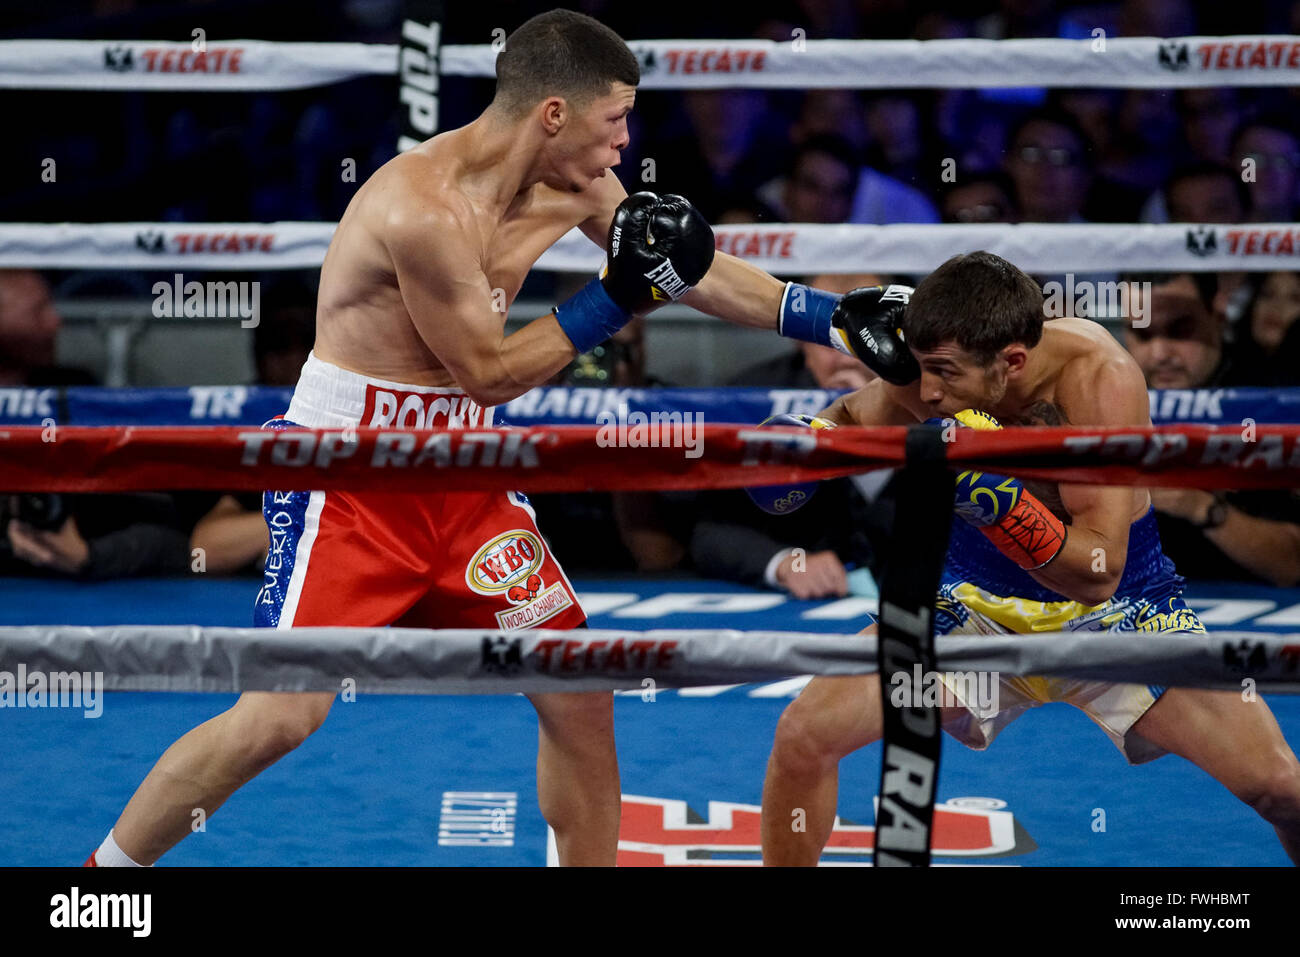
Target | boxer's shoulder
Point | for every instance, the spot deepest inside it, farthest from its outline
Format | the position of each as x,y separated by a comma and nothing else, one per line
418,188
1098,382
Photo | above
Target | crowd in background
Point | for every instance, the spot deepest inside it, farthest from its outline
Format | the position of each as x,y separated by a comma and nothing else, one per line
821,156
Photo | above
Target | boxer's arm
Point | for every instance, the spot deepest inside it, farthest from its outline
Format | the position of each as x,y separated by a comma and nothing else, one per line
1089,567
452,305
877,403
738,292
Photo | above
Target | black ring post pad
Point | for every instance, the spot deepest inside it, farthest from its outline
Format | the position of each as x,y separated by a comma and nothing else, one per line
910,582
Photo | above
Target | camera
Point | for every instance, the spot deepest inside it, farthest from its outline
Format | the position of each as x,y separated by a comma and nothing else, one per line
45,510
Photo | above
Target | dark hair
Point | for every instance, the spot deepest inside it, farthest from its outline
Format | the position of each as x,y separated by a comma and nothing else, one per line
1278,122
978,300
836,147
1203,168
1207,283
995,178
1055,116
562,53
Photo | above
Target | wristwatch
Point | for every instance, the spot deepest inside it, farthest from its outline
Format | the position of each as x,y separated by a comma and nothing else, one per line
1216,515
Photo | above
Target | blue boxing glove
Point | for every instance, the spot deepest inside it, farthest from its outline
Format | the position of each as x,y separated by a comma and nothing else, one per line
1014,520
981,498
784,499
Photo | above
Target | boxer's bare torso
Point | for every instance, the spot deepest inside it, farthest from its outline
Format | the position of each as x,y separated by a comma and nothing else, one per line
449,206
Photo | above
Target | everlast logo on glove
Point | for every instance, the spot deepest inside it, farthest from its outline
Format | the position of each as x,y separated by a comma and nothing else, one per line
667,282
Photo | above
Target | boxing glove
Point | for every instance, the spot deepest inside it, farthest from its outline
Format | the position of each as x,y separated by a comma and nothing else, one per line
1013,519
784,499
865,323
657,249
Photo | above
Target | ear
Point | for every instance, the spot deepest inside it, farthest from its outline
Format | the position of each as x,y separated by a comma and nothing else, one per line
554,114
1015,356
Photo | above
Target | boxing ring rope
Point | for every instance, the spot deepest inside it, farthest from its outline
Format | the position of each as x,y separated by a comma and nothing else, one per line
184,658
601,458
251,405
1100,61
781,248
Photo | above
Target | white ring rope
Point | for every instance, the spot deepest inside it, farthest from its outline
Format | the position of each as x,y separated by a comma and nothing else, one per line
466,661
780,248
1100,61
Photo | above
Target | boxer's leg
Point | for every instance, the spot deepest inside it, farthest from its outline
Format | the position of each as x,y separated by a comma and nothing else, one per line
500,574
1239,744
201,770
321,578
577,774
831,718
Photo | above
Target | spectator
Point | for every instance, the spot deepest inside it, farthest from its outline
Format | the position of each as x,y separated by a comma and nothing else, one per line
984,198
1209,115
1110,199
825,183
228,529
1182,344
1094,111
29,330
1210,193
728,145
94,536
83,536
830,112
1205,193
1239,535
745,209
1267,347
231,535
819,186
1047,160
900,132
1138,155
1273,146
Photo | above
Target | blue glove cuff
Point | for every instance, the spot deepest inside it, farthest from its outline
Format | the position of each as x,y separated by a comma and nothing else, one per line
589,316
806,313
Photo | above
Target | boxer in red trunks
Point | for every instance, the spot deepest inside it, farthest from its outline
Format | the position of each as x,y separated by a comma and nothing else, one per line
410,333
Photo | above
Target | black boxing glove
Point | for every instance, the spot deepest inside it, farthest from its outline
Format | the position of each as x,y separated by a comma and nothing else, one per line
658,248
864,323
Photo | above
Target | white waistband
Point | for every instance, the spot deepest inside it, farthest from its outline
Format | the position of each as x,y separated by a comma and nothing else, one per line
328,397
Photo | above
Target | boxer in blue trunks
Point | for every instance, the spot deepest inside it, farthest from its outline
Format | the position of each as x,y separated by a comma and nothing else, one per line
1024,557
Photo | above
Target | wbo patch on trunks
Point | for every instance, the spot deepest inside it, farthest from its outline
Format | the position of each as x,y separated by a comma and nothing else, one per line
505,563
510,565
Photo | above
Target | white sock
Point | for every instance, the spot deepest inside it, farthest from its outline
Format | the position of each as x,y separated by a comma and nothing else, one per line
110,855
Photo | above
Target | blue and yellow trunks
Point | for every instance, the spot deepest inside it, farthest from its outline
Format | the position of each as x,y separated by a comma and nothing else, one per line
984,593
